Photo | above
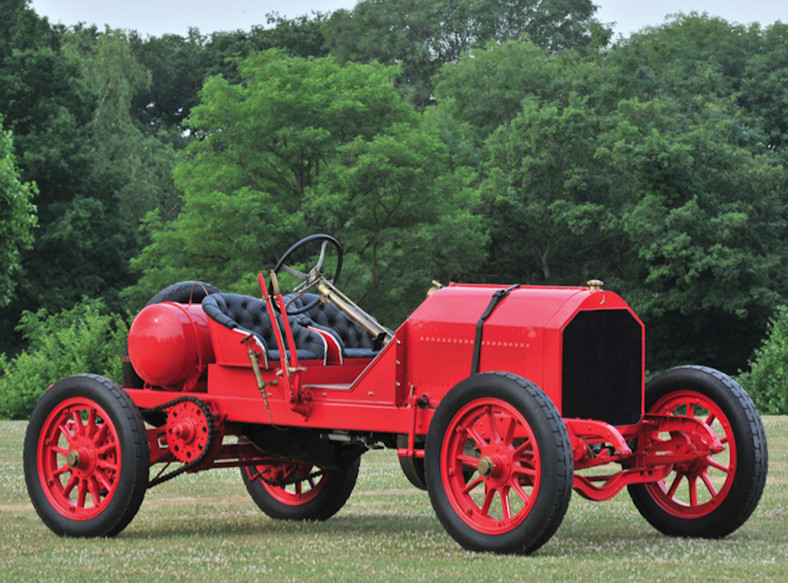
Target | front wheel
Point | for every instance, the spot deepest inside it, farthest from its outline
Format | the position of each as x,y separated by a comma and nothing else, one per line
714,495
498,463
293,490
86,457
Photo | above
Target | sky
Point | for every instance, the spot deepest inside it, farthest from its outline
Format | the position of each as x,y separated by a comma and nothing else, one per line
157,17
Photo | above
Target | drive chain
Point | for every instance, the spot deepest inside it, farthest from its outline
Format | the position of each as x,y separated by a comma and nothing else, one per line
206,450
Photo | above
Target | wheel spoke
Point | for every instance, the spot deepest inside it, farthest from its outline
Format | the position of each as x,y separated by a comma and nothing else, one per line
103,480
506,507
468,460
294,272
72,481
93,488
712,490
519,451
521,471
67,433
101,435
82,492
61,470
509,434
90,425
79,429
675,485
488,498
471,485
693,490
107,464
494,435
105,449
521,493
59,450
474,435
717,465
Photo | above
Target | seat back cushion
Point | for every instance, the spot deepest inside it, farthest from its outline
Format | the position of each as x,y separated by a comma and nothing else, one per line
250,313
354,340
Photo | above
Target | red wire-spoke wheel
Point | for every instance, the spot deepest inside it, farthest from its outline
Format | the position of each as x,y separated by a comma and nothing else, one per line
292,490
86,457
712,494
498,464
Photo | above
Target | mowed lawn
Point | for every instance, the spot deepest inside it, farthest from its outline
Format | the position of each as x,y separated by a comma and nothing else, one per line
204,527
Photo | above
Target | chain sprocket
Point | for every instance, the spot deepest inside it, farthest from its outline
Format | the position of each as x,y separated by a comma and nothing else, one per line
190,430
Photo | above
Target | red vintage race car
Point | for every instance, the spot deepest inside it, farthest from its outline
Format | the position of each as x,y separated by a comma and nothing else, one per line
498,400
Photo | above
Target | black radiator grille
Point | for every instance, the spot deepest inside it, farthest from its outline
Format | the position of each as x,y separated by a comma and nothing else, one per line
602,367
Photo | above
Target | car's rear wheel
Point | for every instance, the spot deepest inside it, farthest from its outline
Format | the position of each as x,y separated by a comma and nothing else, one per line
293,490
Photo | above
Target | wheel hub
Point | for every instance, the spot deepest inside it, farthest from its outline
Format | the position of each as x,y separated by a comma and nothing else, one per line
72,459
486,467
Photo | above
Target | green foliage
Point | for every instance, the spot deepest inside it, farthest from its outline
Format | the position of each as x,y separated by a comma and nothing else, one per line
18,216
767,380
547,204
403,216
423,36
262,144
82,339
66,95
483,140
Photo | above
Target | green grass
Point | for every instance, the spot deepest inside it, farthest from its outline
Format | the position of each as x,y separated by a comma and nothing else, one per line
204,527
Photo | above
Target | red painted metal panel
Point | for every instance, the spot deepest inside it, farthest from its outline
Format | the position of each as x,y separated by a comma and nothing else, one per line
431,353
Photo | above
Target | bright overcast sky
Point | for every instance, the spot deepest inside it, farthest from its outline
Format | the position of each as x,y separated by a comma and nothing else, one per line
157,17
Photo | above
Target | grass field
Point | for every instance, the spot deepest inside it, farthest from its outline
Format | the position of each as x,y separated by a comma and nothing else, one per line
204,527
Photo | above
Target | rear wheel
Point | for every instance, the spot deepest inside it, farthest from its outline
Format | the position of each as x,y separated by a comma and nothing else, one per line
184,292
714,495
498,464
86,457
293,490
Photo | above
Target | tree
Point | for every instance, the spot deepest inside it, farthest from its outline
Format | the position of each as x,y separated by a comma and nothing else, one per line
486,90
404,216
261,146
552,214
707,228
18,212
767,379
422,36
764,90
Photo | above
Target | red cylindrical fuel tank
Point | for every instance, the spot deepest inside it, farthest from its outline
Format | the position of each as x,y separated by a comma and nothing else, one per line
169,343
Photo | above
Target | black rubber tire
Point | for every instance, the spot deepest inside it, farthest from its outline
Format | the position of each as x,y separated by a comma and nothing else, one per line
184,291
751,450
551,441
132,481
412,467
328,501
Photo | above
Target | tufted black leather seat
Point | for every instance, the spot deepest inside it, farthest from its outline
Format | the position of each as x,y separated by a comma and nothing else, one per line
354,341
249,314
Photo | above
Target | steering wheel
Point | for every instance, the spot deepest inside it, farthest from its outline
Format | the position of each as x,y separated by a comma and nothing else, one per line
314,275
